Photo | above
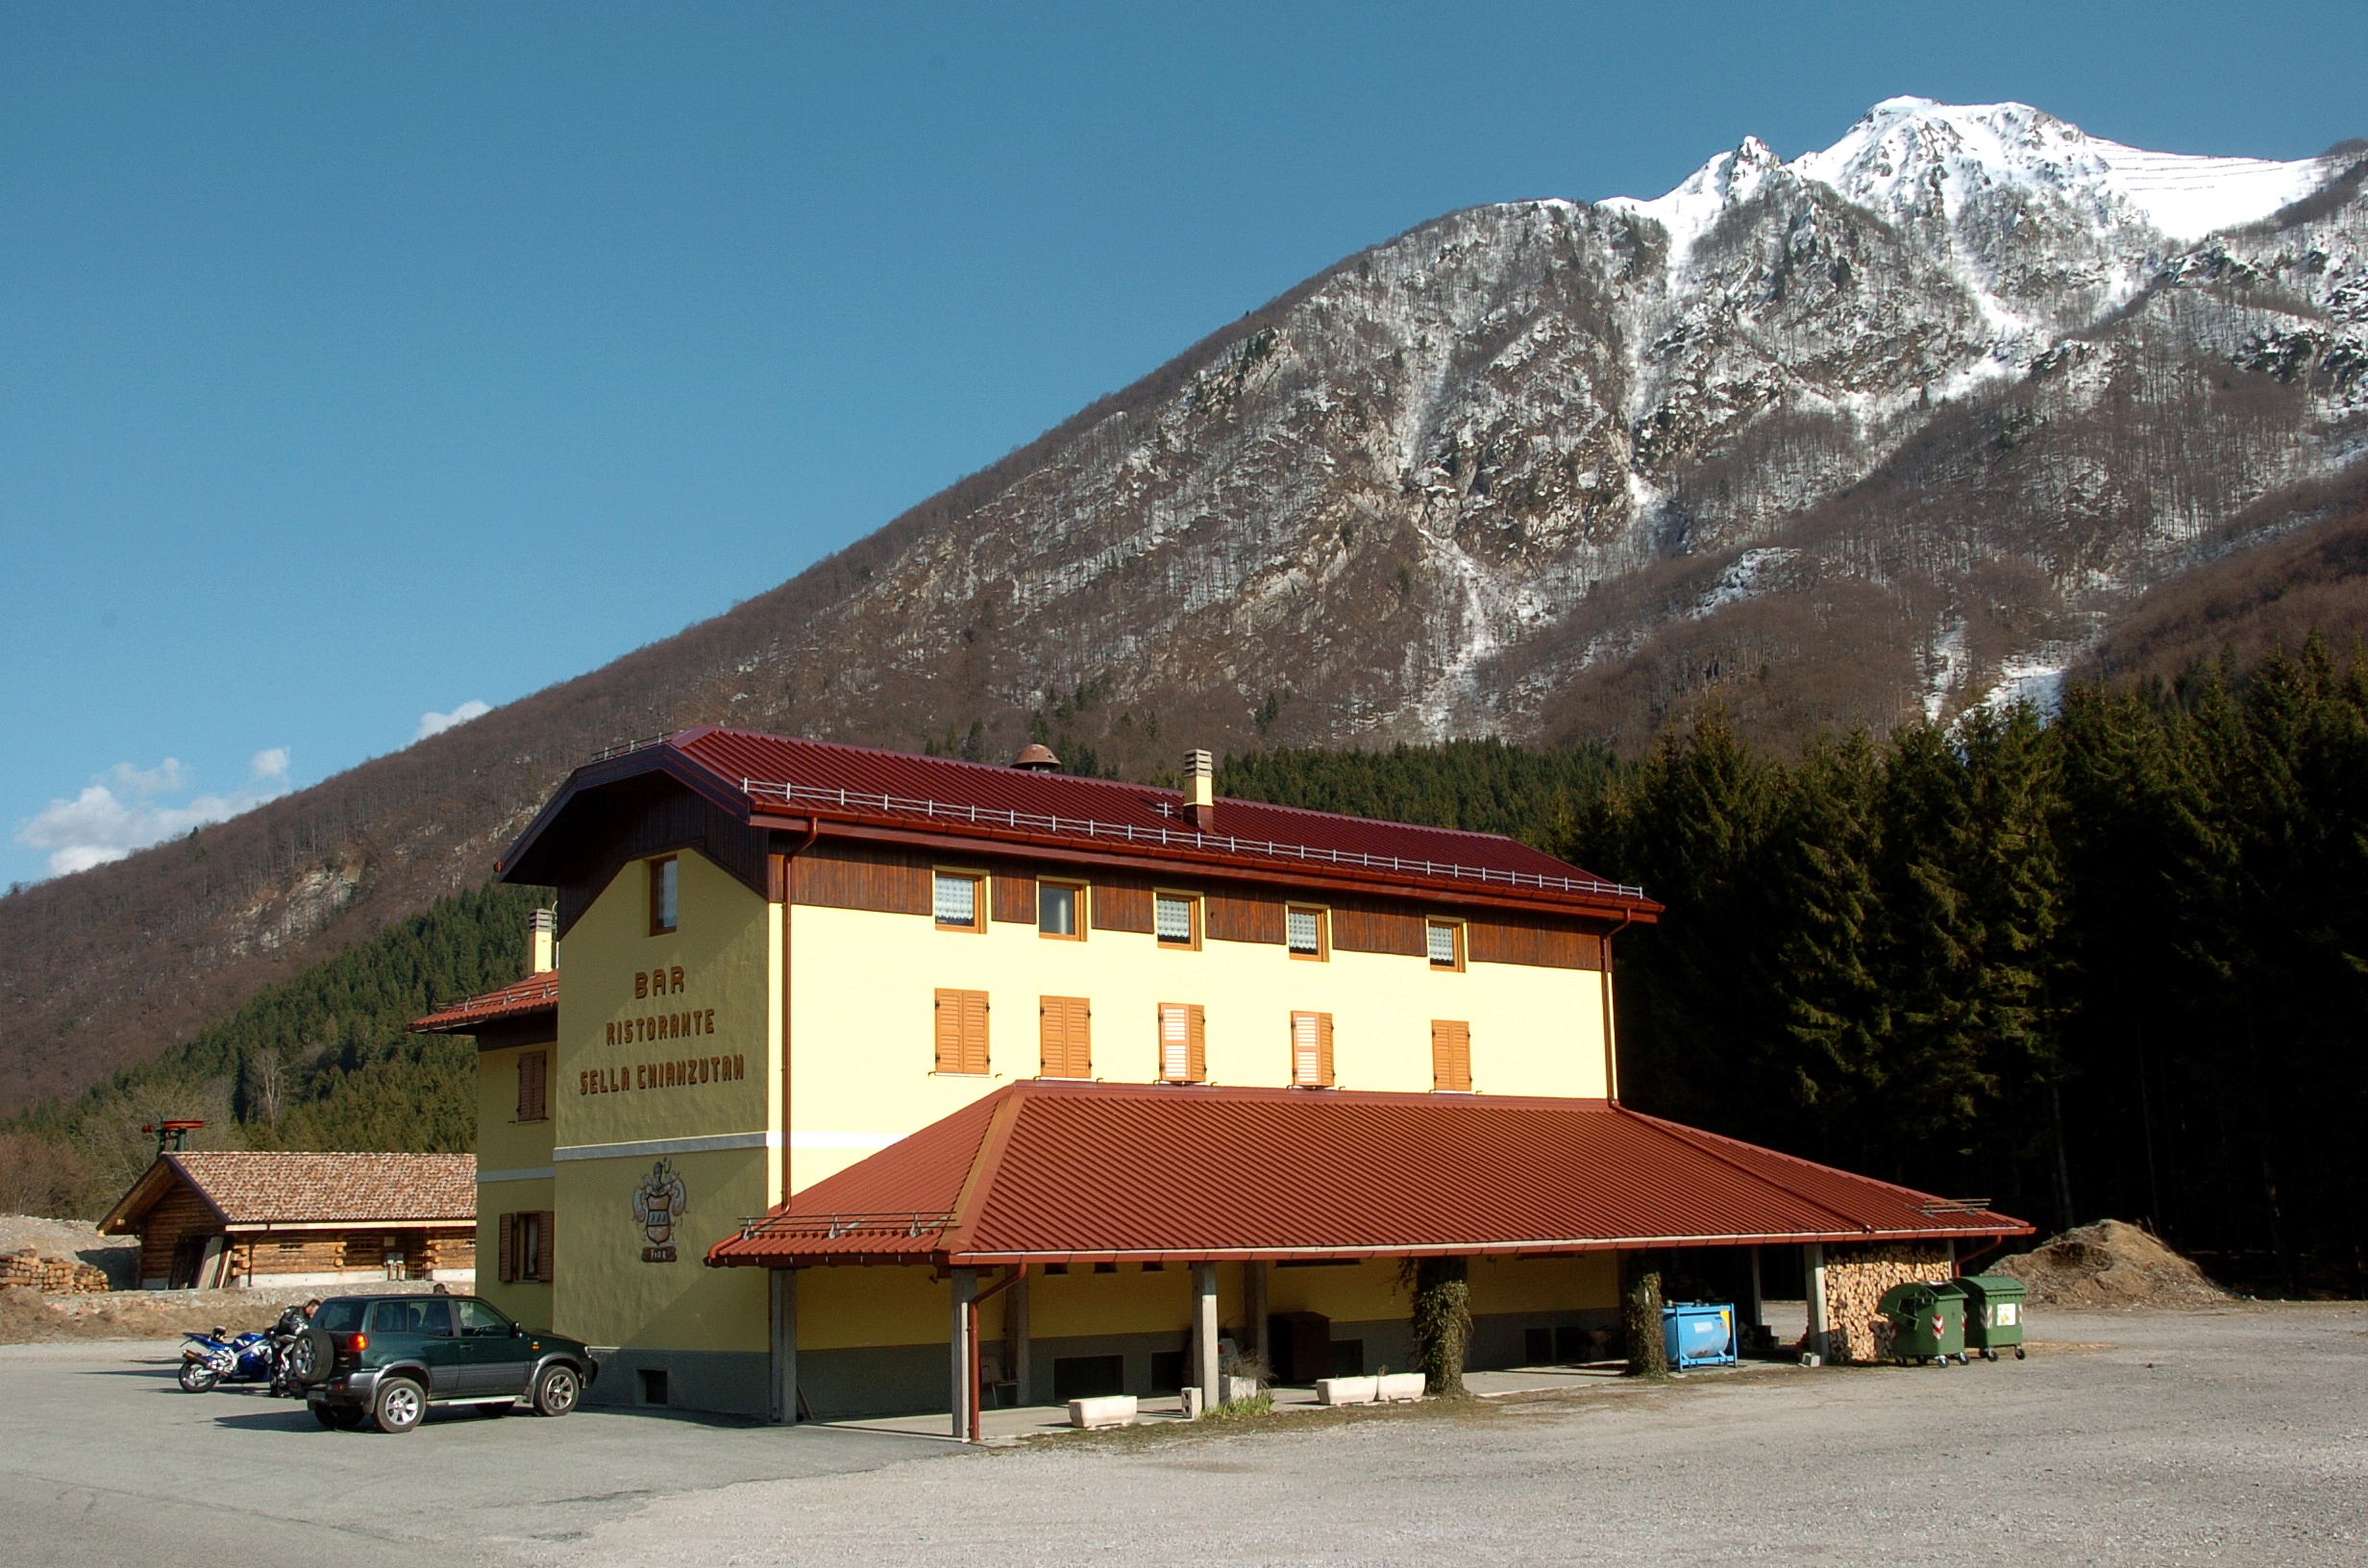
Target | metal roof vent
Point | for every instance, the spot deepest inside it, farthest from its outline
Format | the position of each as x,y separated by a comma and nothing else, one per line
1037,759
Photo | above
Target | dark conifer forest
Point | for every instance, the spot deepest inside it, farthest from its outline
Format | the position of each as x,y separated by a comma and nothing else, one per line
2111,964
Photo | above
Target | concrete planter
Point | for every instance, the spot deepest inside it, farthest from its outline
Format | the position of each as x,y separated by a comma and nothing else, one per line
1109,1410
1347,1390
1402,1387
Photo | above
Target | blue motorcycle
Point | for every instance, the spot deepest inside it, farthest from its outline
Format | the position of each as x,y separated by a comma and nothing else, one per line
221,1357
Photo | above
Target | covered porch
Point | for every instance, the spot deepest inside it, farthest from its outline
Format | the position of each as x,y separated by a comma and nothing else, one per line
1061,1240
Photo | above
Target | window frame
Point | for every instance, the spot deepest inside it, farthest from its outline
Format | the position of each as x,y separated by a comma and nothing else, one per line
1080,910
977,880
1324,932
1456,929
665,877
1191,941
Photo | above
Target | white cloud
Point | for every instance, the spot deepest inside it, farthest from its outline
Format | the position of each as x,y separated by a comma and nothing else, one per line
129,808
437,723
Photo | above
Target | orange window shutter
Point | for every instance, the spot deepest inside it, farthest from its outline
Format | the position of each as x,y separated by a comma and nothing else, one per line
1452,1056
1183,1044
949,1031
1311,1049
975,1032
1198,1022
1080,1039
507,1252
1068,1041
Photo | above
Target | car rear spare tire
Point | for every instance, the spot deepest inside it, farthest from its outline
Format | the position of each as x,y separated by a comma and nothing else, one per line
312,1358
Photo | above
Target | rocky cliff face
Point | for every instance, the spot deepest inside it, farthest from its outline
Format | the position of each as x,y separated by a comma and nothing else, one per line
1872,433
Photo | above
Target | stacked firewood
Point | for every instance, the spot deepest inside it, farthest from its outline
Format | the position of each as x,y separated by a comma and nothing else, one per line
23,1269
1855,1280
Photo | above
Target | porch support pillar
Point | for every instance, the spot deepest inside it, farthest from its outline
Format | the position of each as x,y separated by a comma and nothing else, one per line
782,1406
963,1292
1758,1314
1204,1336
1015,1340
1253,1309
1812,1260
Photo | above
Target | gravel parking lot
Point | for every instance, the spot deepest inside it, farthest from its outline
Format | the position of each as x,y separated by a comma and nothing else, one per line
2236,1436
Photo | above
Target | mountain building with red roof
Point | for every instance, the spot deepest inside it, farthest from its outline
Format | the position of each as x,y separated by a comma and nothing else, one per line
877,1083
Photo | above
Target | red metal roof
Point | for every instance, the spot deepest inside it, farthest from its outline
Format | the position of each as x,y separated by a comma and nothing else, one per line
535,994
795,781
1045,1171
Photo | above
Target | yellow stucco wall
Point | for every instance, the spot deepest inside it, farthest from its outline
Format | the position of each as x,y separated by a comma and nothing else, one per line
863,993
667,1042
505,1144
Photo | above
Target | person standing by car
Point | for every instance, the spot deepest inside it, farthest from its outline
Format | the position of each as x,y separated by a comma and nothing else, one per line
291,1323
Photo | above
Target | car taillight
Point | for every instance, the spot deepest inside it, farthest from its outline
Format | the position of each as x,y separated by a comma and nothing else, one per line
353,1345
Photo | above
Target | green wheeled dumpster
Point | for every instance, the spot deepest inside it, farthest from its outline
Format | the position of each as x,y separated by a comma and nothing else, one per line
1928,1322
1993,1314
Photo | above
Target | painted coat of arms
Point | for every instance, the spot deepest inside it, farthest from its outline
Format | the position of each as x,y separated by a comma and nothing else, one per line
658,1207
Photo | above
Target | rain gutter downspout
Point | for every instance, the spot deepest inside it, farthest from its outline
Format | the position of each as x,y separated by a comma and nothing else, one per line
1611,1040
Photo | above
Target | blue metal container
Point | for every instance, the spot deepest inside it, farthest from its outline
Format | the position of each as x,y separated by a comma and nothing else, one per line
1698,1333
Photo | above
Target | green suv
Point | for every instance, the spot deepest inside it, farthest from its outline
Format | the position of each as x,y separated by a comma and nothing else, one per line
384,1359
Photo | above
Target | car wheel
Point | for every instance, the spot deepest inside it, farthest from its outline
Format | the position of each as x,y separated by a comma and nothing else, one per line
557,1390
197,1377
399,1406
311,1358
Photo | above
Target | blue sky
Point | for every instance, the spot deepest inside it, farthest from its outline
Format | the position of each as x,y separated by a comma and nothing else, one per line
364,362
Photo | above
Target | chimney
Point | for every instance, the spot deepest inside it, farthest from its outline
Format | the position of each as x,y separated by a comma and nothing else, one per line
1200,790
543,942
1037,759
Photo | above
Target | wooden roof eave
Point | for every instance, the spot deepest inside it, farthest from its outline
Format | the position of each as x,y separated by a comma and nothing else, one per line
1444,891
133,1207
520,864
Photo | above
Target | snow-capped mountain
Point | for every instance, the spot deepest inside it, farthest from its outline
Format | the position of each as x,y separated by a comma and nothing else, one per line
1872,432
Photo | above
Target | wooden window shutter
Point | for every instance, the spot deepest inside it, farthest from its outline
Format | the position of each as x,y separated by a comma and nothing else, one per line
1067,1030
534,1073
1452,1056
1183,1042
507,1253
962,1031
542,1244
1310,1051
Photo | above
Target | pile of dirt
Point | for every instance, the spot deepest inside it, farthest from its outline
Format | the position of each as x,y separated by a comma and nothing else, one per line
2109,1264
29,1317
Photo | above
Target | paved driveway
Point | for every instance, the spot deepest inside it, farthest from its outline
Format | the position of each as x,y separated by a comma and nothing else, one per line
105,1461
2236,1436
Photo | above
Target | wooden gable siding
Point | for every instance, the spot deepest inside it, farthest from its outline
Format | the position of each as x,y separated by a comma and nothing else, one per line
853,876
180,1213
1123,904
649,816
1015,898
1234,916
1533,943
1372,928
